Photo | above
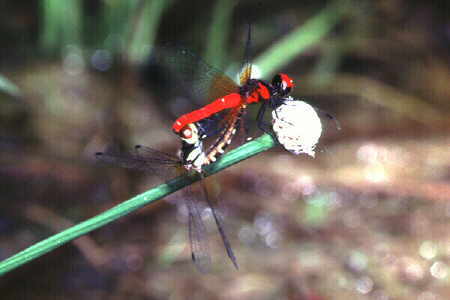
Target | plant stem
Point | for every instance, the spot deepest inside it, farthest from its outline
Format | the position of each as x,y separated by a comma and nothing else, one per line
247,150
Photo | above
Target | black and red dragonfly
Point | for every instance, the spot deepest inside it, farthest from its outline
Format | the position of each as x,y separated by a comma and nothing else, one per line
191,77
165,165
221,118
234,101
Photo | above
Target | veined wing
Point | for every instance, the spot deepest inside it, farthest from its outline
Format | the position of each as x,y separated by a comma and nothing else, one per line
189,75
220,227
142,158
197,234
160,163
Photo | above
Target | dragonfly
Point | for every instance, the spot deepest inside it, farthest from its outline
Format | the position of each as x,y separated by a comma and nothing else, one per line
164,164
204,81
295,125
222,117
179,74
236,102
227,102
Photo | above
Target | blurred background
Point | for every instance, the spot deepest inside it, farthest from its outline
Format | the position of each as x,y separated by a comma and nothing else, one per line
368,218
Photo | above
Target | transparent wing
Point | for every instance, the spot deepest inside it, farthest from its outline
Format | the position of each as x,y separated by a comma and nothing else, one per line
152,155
197,234
151,160
143,159
220,227
190,76
160,163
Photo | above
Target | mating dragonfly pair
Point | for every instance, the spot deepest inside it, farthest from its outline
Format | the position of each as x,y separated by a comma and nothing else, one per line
295,125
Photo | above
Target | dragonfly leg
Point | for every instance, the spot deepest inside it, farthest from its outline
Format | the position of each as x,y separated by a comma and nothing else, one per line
263,125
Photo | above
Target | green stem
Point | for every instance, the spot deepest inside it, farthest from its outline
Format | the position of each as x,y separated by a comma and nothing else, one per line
247,150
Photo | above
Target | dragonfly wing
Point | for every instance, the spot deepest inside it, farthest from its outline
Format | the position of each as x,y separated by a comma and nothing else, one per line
221,85
197,235
246,73
220,227
143,159
189,75
150,154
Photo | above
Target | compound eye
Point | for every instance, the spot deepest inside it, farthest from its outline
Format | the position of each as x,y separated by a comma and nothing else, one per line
282,84
287,80
186,133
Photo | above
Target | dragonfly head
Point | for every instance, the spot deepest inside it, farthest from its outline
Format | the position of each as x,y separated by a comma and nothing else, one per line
282,84
192,155
189,134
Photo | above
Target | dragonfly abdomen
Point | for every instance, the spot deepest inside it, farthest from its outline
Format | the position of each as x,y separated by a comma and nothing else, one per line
218,105
219,146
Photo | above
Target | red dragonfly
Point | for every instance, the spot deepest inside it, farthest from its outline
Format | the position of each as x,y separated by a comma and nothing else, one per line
222,118
229,104
203,81
236,102
166,165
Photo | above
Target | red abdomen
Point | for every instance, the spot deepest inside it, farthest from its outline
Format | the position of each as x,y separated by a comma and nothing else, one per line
232,100
228,101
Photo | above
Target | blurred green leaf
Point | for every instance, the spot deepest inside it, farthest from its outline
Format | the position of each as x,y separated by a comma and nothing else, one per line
8,87
284,51
218,33
62,24
143,33
116,19
328,63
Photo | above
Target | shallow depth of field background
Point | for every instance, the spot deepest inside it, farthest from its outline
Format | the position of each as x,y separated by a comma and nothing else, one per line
368,218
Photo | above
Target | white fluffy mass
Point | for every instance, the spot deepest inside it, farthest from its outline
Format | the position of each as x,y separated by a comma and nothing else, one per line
297,126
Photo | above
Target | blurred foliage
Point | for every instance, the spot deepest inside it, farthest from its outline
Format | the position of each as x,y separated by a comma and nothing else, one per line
145,30
368,218
219,30
8,87
61,24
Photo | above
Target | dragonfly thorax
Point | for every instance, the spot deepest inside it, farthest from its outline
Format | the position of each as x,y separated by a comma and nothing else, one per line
192,155
249,87
255,90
